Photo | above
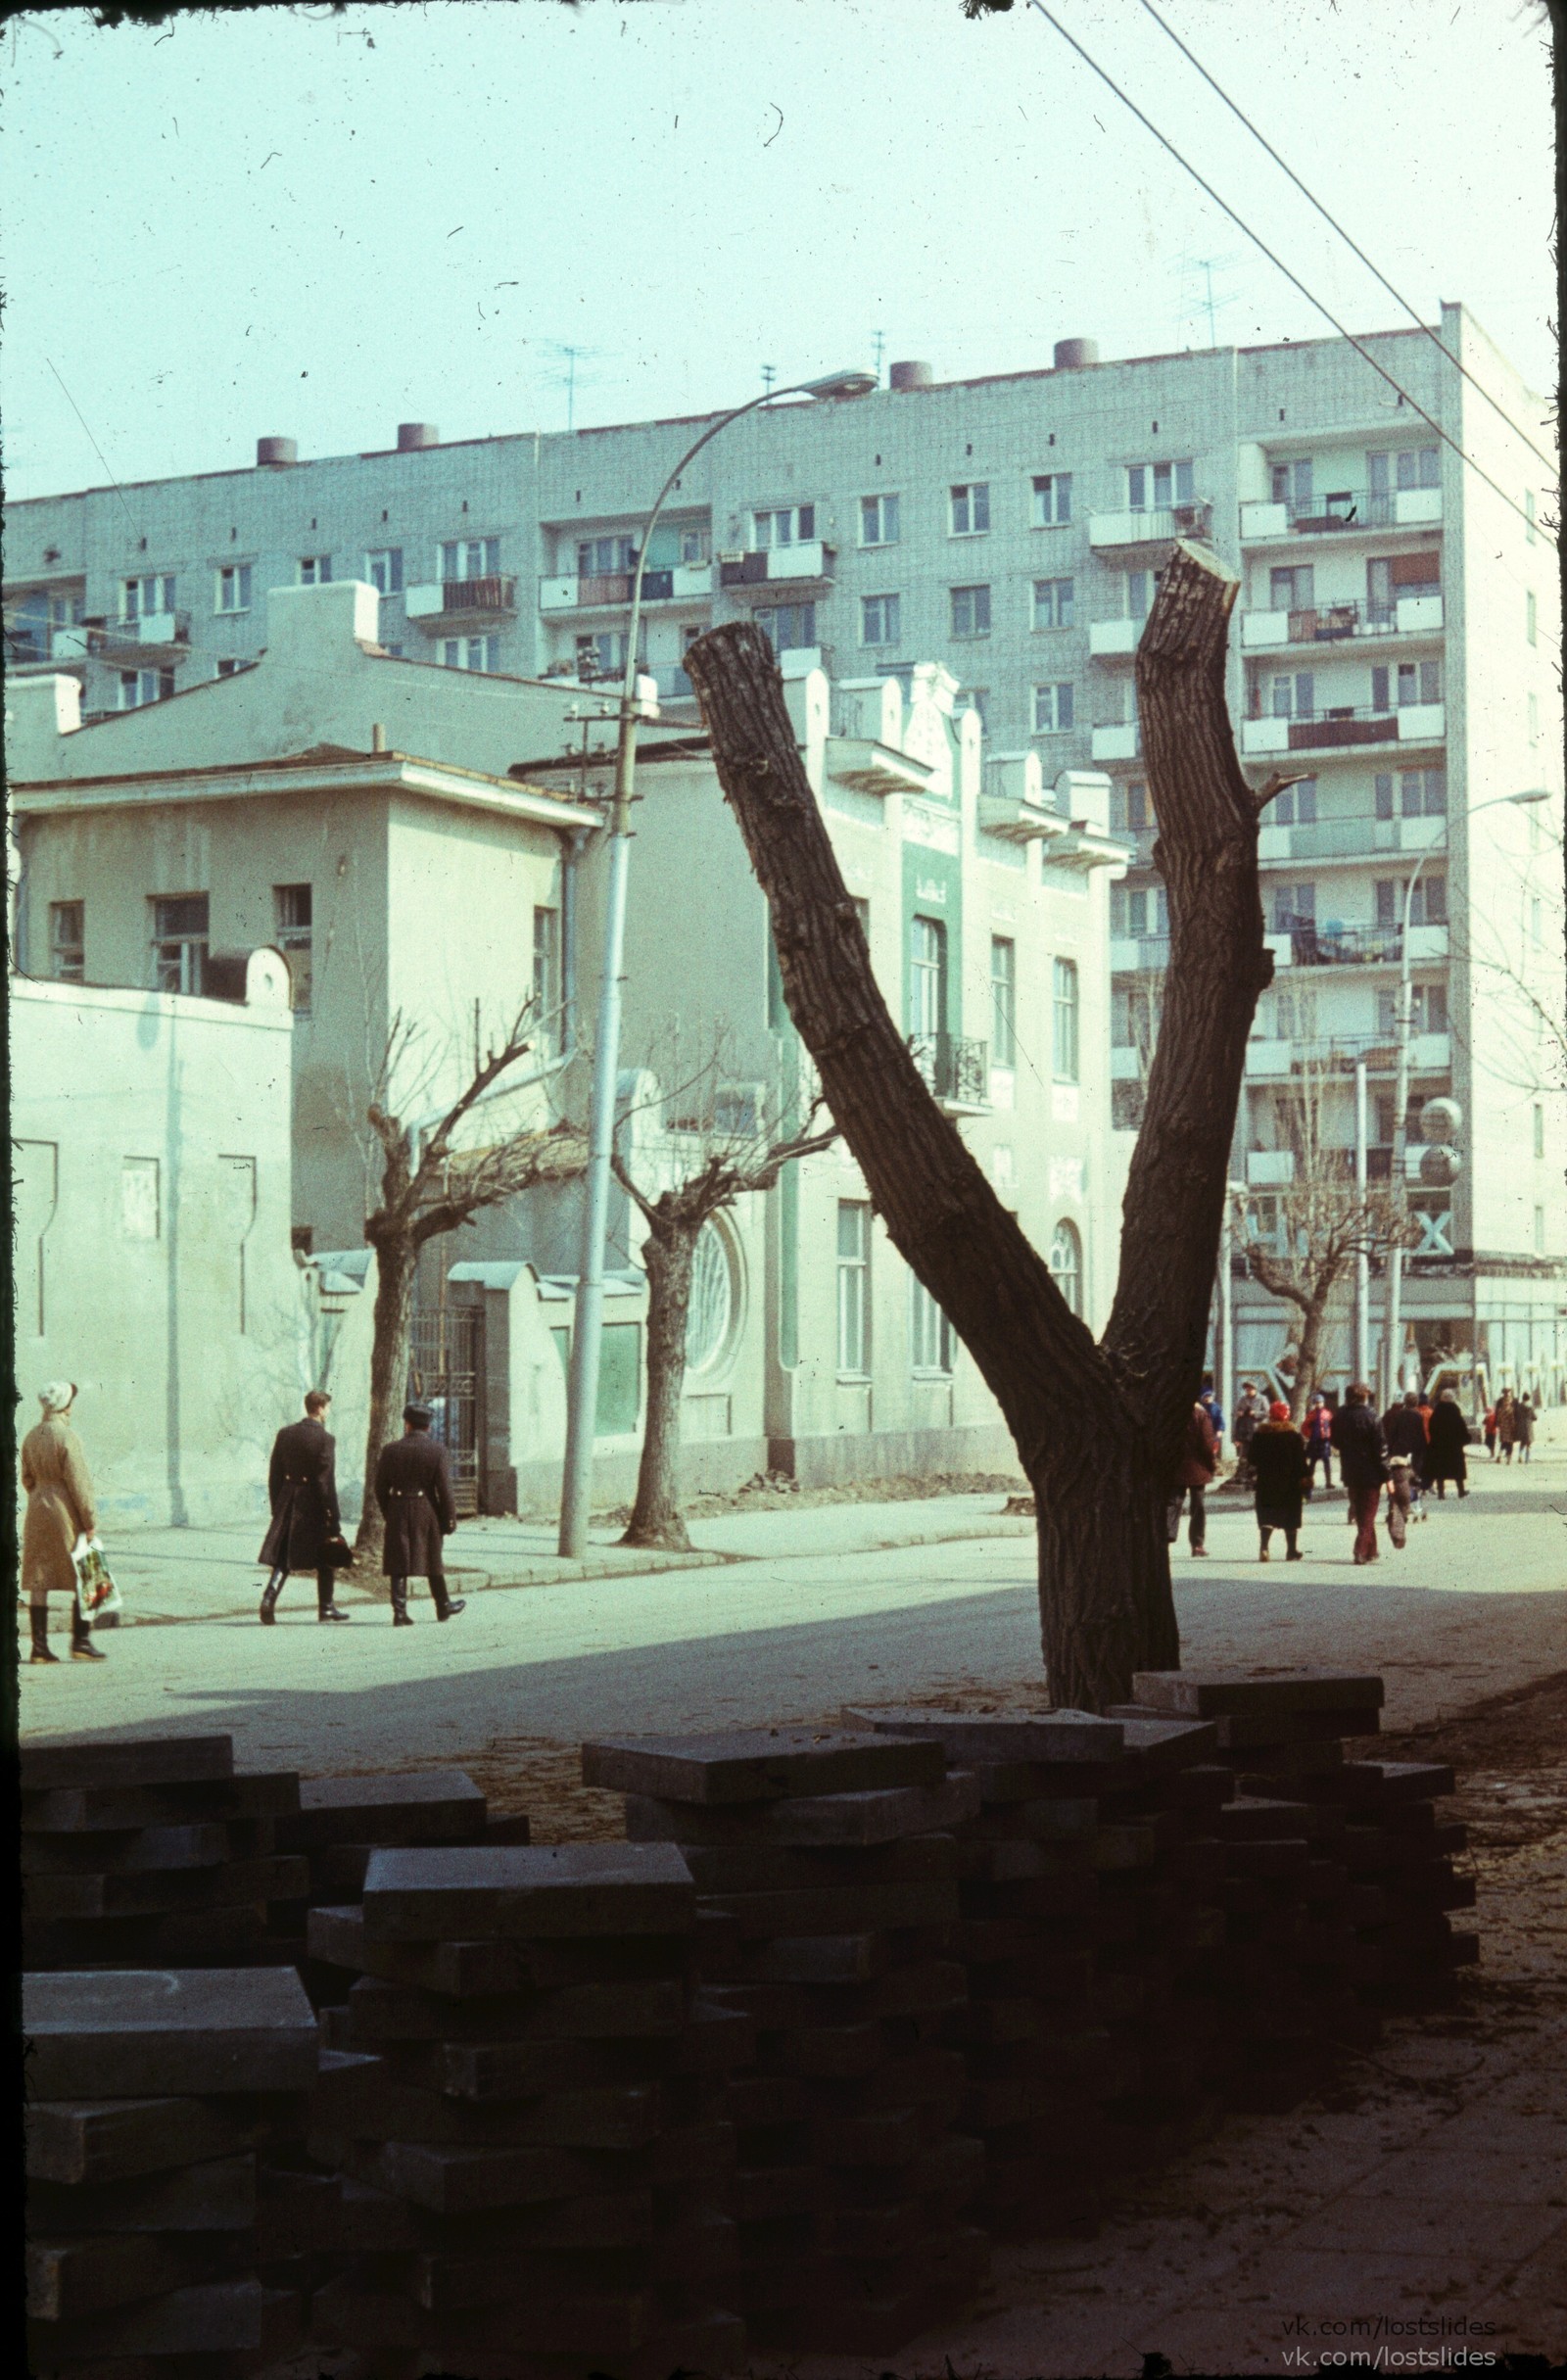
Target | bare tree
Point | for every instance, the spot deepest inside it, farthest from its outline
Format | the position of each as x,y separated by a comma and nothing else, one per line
430,1186
1097,1427
719,1148
1316,1224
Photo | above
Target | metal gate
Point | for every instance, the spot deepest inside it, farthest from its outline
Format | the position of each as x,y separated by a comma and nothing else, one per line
446,1372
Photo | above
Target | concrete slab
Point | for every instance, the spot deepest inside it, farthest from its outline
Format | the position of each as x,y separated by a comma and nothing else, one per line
758,1765
546,1891
48,1765
133,2032
980,1736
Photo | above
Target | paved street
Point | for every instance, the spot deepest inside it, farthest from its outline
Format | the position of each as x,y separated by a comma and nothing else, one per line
815,1607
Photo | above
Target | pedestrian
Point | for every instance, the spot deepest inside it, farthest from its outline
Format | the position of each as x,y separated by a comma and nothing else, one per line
1490,1426
1523,1428
1506,1425
1319,1442
1404,1434
60,1512
1362,1466
301,1488
1208,1401
1198,1462
1278,1459
1449,1436
413,1489
1249,1412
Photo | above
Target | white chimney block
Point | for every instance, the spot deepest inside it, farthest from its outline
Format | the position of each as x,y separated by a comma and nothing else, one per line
1083,796
302,620
39,712
872,707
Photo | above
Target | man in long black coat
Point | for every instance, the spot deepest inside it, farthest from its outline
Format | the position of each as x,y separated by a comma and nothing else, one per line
301,1486
413,1489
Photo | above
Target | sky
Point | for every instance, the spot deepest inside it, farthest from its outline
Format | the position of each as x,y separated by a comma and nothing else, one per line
286,221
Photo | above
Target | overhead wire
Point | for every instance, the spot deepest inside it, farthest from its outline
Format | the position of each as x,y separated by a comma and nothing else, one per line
1535,526
1375,270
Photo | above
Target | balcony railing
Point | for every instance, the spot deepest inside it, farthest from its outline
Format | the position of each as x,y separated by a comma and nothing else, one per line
956,1070
144,637
1343,726
446,603
1118,740
1342,509
1364,837
1413,613
778,566
1158,525
1312,945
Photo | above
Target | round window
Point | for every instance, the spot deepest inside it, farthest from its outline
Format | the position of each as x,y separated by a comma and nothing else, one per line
712,1306
1067,1264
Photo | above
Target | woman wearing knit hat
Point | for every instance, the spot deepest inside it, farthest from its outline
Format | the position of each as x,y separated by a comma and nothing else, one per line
60,1510
1279,1462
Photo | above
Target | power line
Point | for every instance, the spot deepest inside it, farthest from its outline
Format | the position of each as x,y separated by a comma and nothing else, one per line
93,442
1293,278
1239,112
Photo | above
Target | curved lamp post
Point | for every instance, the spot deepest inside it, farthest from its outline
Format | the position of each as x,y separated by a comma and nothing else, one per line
586,1337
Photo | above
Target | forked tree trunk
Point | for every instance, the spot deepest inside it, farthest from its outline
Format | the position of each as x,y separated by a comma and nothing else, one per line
1099,1429
397,1260
1313,1314
656,1518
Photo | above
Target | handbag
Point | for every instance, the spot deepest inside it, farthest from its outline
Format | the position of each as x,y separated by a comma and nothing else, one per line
97,1595
338,1554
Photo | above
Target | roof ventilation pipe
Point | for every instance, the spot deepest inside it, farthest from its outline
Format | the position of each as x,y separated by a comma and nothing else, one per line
415,436
277,452
910,375
1071,355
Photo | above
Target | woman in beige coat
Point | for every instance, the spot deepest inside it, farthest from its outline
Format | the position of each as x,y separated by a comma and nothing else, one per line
60,1509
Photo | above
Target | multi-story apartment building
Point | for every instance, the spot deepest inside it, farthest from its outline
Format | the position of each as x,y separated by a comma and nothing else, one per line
1397,634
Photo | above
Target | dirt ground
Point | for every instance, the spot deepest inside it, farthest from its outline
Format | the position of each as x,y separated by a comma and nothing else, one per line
777,1492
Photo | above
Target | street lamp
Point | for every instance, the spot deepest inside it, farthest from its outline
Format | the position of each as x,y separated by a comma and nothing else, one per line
586,1337
1394,1323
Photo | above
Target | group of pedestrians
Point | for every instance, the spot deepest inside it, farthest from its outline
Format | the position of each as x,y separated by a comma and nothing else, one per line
1510,1425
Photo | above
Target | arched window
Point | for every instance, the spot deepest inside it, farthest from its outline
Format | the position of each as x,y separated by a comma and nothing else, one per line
712,1306
1067,1263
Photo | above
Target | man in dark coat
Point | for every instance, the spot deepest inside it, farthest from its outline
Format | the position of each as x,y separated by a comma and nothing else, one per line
302,1485
1362,1466
1449,1436
413,1489
1406,1435
1198,1462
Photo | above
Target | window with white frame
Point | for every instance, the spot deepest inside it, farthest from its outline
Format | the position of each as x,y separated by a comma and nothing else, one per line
969,503
879,619
1293,1018
316,569
146,598
139,686
229,668
1054,602
927,978
470,652
179,922
1413,682
694,548
1003,1000
931,1340
783,525
293,911
602,654
1293,696
1295,806
234,586
1065,1039
1138,910
1067,1264
1421,793
854,1288
710,1311
1052,499
1428,900
1129,813
546,979
1054,708
1428,1010
788,627
1294,908
470,557
974,698
1290,482
1151,487
597,557
971,611
68,942
383,567
878,520
1139,588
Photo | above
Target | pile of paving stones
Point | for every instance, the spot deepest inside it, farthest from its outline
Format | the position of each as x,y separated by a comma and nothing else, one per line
520,2083
830,1881
154,2097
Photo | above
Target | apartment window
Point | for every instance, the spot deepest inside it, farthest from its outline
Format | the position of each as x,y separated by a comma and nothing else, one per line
694,548
1139,588
1055,707
1428,900
384,569
931,1334
784,525
975,698
602,654
1421,793
789,627
971,611
1294,696
1136,910
139,1198
1052,499
1294,1019
1531,618
878,520
146,598
470,652
1003,1000
1291,483
1413,682
1066,1006
546,982
292,913
234,586
1418,467
470,558
229,669
597,557
68,942
971,508
879,619
1129,808
854,1288
1294,908
1053,602
1067,1263
1134,1013
1151,487
179,941
139,686
1295,806
928,977
1293,589
1428,1010
1539,1131
316,569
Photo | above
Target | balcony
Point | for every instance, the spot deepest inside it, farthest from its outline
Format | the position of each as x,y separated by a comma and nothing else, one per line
610,591
808,564
1159,525
956,1072
866,765
1269,1168
1363,945
1122,739
45,646
1364,838
1127,1064
1341,623
1335,729
1019,821
448,606
1347,510
156,635
1113,640
1142,954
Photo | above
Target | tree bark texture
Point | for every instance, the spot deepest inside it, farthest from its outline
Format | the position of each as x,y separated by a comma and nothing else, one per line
1099,1429
667,1252
397,1260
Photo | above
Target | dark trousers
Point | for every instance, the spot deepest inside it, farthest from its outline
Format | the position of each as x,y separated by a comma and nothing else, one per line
1313,1456
1365,1505
1197,1533
436,1580
324,1580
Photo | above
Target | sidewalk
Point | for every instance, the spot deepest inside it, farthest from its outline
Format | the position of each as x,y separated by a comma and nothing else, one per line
213,1574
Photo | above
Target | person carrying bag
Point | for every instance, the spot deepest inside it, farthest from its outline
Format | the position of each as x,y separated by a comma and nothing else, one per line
61,1515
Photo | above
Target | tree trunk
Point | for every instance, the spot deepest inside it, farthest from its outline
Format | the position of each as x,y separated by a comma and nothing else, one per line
656,1518
396,1260
1313,1318
1099,1430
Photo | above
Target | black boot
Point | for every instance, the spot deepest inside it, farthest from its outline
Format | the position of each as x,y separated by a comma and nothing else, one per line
447,1608
269,1594
38,1622
402,1616
325,1608
82,1647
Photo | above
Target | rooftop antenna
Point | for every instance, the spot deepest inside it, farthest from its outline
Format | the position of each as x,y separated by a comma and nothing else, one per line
769,375
881,350
1207,266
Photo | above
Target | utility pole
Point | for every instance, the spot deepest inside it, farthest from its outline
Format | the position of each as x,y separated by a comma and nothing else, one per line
1363,1262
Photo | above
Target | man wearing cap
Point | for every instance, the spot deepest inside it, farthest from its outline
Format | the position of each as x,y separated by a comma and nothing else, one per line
301,1486
413,1489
